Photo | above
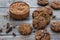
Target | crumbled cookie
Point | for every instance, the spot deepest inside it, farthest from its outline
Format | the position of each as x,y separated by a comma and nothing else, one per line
55,26
55,5
39,22
42,35
19,10
25,29
42,2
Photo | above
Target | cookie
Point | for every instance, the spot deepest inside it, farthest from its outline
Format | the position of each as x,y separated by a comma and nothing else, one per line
25,29
46,16
55,26
46,9
42,35
42,2
35,13
55,5
39,22
19,10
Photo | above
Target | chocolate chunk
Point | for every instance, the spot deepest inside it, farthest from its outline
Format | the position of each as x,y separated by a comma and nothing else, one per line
53,17
0,30
13,34
8,25
14,26
9,30
34,31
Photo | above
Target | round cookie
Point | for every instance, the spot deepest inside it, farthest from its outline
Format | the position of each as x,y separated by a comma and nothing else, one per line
55,26
25,29
46,16
42,2
19,10
39,22
46,9
55,5
35,13
42,35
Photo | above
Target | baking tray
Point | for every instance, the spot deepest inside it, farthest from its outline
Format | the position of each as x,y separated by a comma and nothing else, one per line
4,18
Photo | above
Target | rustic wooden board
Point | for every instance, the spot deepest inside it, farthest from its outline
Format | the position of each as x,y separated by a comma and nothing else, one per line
4,10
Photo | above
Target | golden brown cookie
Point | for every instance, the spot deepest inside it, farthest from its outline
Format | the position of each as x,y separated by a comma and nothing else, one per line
19,10
25,29
42,35
42,2
55,26
55,5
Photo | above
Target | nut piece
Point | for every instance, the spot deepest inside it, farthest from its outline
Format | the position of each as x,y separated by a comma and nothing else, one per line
42,35
19,10
42,2
55,26
25,29
55,5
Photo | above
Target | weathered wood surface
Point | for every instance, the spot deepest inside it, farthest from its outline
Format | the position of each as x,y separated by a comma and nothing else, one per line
4,10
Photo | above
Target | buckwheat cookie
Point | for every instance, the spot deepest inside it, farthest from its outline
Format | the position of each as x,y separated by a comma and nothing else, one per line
25,29
19,10
55,5
42,2
42,35
55,26
39,22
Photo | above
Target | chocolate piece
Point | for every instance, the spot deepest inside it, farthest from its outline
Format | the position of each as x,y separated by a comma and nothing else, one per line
13,34
0,30
8,25
53,17
9,30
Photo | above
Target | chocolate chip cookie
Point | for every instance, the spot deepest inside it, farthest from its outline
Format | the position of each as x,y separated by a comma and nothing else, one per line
35,13
42,35
19,10
55,5
25,29
39,22
55,26
42,2
46,16
46,9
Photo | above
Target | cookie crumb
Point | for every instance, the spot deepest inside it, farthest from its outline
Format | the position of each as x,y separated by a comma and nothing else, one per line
53,17
34,31
14,26
8,25
13,34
